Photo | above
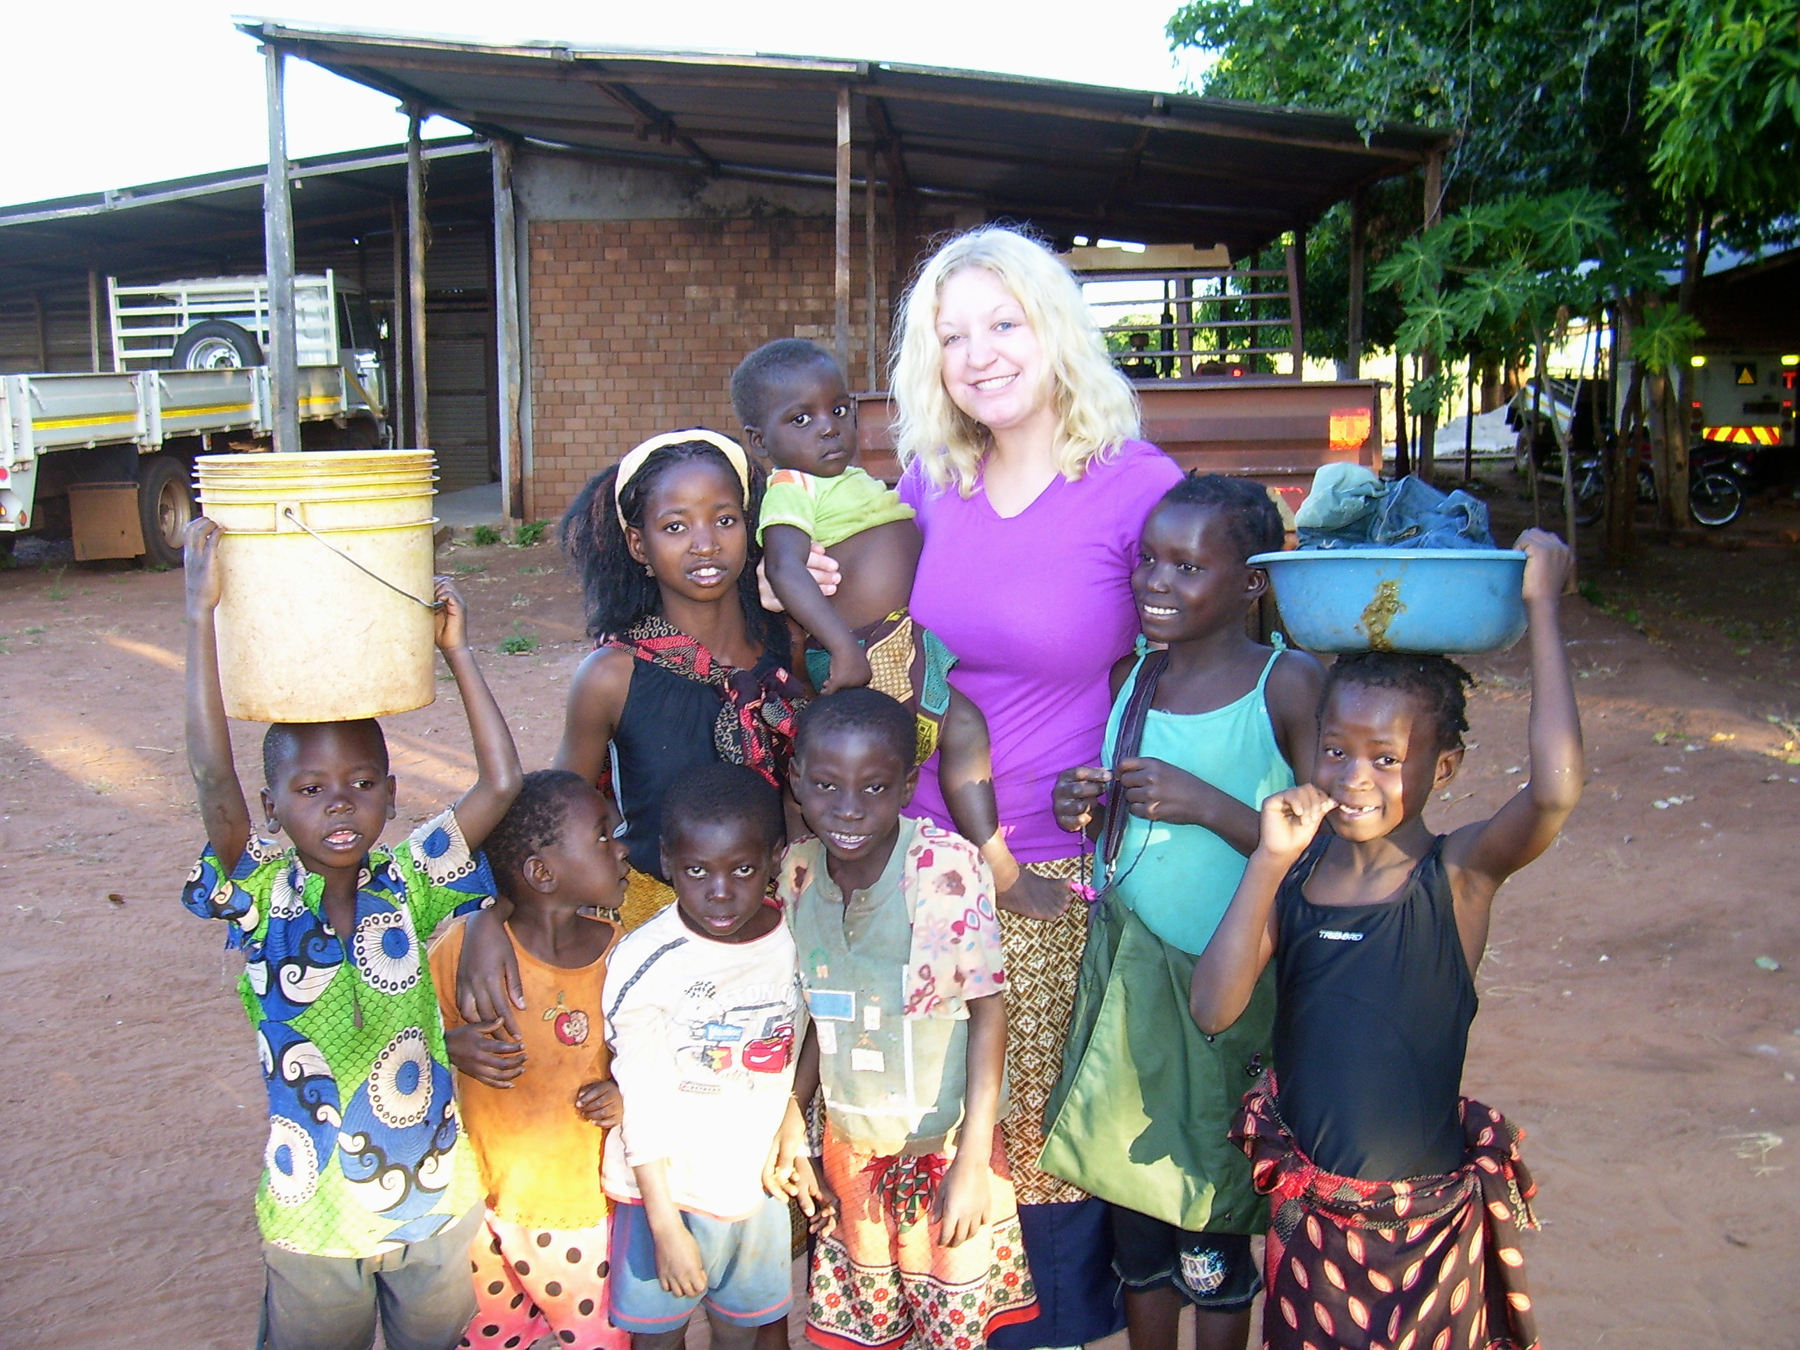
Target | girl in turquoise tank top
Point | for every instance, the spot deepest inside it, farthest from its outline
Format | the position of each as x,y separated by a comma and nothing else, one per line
1200,732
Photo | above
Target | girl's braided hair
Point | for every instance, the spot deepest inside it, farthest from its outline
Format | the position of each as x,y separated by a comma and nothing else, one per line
616,591
1436,682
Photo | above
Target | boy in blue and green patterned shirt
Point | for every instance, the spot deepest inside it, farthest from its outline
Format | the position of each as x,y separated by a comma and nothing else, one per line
368,1198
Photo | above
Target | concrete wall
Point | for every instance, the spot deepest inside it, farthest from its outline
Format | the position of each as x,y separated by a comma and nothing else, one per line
646,289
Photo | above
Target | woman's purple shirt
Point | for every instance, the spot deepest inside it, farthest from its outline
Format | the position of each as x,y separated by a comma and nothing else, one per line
1037,607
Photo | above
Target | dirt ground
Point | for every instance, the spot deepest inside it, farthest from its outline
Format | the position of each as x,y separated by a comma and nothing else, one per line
1639,1014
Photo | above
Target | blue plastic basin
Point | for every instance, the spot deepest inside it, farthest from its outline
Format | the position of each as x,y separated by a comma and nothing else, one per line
1445,600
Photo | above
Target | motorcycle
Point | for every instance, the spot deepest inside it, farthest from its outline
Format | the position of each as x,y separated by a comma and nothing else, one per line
1716,483
1719,477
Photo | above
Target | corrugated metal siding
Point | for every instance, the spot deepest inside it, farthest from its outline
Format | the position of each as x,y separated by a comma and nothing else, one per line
65,333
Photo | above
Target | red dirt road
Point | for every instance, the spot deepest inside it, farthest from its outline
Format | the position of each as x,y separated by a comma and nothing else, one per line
1625,1021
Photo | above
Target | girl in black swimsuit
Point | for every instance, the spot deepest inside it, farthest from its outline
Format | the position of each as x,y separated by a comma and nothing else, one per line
1395,1203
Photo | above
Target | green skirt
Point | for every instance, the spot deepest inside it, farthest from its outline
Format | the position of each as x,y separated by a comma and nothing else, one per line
1141,1114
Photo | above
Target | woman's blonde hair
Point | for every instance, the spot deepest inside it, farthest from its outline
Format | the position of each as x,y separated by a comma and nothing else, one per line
1096,408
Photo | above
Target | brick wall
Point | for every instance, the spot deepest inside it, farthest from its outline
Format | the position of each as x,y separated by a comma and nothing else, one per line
638,324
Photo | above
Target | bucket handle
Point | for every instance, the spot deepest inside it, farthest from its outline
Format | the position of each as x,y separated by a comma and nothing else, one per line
294,516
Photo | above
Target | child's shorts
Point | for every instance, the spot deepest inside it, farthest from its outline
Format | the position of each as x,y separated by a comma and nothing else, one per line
1214,1271
748,1270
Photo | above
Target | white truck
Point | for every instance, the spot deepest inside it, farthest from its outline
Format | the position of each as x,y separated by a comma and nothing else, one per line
108,457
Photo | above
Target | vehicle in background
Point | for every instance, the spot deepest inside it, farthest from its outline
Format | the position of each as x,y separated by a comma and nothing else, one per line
107,458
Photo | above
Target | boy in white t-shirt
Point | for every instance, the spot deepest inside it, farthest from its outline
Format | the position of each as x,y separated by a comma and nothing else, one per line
702,1005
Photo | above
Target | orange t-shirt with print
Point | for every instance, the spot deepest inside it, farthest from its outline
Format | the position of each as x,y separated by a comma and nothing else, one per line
539,1157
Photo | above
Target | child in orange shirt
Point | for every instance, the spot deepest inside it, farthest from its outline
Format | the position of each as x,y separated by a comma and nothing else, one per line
536,1110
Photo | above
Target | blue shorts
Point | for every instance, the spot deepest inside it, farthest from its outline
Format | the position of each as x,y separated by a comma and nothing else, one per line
748,1270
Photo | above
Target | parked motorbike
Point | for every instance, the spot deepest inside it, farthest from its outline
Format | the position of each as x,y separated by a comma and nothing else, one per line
1716,485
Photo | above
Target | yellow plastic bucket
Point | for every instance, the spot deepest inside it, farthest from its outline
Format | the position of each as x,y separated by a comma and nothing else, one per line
326,566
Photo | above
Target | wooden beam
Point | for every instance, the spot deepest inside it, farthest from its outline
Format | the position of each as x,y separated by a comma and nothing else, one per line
510,364
398,372
93,299
640,107
416,227
1359,231
899,180
1425,453
873,320
278,247
1296,265
841,251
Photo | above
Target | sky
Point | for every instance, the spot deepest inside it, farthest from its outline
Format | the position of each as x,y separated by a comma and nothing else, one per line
109,94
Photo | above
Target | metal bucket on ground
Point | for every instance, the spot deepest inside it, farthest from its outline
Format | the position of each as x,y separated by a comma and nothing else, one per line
326,568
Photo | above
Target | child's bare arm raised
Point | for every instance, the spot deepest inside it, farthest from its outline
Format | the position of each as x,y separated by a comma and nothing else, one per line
497,771
1479,857
223,809
786,549
1227,971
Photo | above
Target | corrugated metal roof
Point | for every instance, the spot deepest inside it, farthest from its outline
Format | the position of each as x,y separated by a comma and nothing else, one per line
1071,158
215,220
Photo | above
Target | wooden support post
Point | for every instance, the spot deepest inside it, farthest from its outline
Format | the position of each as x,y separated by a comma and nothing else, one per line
1402,458
397,372
1296,268
416,227
842,249
1434,212
874,353
510,362
93,319
278,245
1359,231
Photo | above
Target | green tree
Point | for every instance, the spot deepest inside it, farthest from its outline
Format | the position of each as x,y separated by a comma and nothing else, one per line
1726,114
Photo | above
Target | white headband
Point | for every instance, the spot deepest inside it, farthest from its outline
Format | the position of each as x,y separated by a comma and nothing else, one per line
634,459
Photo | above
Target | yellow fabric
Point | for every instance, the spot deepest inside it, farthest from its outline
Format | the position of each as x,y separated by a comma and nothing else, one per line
1043,964
645,897
830,510
539,1159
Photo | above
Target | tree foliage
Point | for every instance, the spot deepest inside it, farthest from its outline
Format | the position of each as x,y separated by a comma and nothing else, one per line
1545,96
1727,111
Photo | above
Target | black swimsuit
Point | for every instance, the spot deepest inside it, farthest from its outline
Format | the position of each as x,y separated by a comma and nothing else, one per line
1373,1005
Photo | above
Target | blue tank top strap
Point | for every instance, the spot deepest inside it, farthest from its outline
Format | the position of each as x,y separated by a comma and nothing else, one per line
1269,665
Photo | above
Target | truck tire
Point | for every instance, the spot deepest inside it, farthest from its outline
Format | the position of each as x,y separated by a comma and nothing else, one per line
165,506
216,344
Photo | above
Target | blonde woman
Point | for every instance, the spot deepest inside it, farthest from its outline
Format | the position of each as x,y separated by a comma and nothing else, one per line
1019,440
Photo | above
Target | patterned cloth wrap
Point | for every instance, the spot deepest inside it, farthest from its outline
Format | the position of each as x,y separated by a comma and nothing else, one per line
880,1280
365,1150
1427,1264
756,719
910,664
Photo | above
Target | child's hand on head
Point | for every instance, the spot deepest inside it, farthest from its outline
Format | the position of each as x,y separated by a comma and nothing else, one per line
451,615
200,563
1547,562
480,1051
601,1103
1075,795
1290,819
